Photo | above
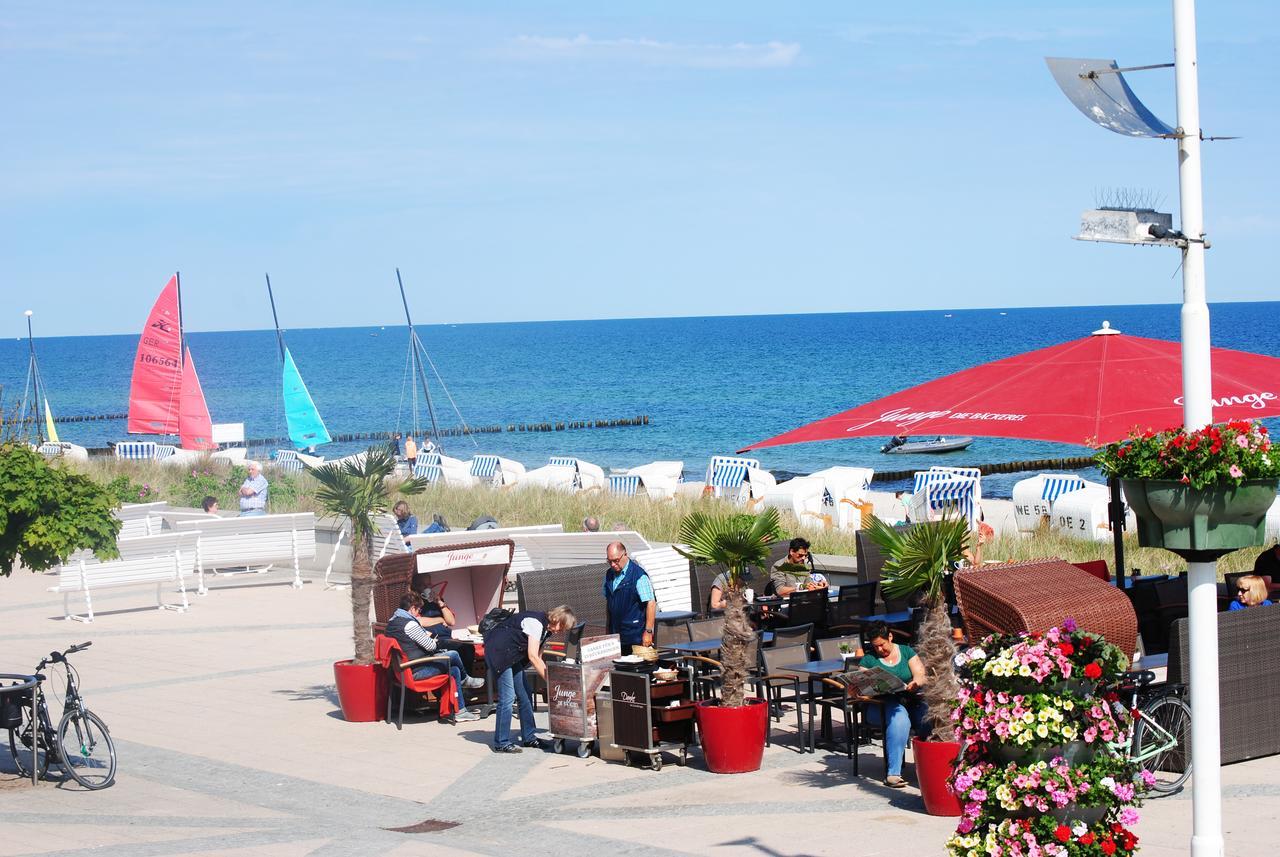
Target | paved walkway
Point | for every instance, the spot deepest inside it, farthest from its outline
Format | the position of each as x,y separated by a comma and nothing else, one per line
230,743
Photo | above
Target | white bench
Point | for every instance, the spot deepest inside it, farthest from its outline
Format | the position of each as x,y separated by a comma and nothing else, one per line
158,560
259,540
669,574
137,519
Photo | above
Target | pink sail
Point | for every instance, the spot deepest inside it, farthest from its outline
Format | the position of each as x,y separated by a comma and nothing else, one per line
194,425
157,370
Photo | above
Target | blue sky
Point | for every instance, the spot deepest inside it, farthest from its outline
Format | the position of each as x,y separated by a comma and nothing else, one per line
524,161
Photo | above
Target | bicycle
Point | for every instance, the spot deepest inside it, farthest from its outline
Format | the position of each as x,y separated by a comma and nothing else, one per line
81,745
1159,739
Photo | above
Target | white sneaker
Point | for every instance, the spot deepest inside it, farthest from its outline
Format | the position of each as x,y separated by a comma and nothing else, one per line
472,682
466,716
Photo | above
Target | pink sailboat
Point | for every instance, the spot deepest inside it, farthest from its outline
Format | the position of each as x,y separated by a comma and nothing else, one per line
165,397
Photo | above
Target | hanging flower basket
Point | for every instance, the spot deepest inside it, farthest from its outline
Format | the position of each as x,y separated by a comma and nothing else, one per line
1221,517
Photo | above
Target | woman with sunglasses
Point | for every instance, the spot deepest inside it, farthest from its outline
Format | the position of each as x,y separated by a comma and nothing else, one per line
1251,591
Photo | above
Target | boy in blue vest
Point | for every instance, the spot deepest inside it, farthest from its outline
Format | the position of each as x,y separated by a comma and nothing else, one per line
628,592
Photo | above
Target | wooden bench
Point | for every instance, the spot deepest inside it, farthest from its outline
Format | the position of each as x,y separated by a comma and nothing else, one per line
136,519
259,540
161,559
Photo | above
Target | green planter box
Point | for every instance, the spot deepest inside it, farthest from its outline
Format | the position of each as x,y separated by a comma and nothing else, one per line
1218,519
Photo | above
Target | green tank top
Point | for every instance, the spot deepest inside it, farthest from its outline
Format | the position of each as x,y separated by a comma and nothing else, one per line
902,669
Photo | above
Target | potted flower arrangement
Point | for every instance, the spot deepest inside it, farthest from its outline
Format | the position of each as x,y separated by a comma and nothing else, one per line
1201,493
733,727
1039,775
848,653
357,491
919,560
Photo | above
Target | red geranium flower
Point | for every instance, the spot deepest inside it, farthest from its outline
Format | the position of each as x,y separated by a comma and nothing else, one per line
1092,670
1063,833
1108,847
1066,649
1087,838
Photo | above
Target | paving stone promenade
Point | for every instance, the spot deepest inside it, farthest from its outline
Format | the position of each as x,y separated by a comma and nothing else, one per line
230,743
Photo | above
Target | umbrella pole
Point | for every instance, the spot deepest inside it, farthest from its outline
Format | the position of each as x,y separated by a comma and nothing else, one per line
1115,512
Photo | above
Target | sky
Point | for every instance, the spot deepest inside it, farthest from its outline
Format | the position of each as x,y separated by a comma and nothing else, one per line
566,160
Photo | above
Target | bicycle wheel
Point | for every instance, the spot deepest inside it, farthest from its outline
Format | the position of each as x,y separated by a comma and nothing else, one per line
1170,758
87,753
20,739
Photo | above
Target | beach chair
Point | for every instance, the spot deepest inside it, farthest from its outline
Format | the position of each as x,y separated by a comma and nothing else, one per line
1082,514
494,470
935,498
556,477
846,490
1033,498
659,480
940,473
727,476
586,476
61,449
136,450
560,550
287,461
427,466
624,485
802,497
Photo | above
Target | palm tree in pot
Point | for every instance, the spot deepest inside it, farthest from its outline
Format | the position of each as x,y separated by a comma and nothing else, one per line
920,558
736,542
357,491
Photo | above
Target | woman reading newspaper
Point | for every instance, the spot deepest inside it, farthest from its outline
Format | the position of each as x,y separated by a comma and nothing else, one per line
904,709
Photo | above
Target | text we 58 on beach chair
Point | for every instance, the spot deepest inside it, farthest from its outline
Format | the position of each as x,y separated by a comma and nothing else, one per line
1033,498
400,673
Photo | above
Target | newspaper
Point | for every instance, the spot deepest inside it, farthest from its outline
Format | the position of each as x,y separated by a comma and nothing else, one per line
871,681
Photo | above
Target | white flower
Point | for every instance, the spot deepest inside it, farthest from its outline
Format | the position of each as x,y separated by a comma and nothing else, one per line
1109,782
1079,828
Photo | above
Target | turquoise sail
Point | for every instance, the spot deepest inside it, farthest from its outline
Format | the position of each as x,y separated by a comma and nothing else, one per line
306,429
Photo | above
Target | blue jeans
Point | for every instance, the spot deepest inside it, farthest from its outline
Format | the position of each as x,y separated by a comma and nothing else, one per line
250,513
434,527
902,718
513,687
455,670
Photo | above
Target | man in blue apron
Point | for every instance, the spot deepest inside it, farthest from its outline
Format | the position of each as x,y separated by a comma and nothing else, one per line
628,592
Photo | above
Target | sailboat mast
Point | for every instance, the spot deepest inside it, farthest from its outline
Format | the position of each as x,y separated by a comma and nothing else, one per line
275,319
35,380
414,346
182,342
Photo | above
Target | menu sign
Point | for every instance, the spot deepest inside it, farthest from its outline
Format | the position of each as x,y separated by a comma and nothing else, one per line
573,687
632,726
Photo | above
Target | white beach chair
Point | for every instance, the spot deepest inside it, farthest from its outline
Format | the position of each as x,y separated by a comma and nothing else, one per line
1273,523
287,461
1033,498
61,449
624,485
846,489
936,498
557,477
136,450
587,476
659,480
1082,514
738,480
802,497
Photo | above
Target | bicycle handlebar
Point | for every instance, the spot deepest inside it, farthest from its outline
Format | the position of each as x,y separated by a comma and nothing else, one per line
61,657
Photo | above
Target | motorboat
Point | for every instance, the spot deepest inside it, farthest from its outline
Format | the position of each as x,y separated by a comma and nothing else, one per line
900,445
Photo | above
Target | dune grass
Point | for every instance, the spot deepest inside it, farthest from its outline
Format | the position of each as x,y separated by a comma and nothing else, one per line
136,482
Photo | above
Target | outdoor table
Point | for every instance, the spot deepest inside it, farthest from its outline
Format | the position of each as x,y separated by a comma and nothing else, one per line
672,617
25,683
696,647
816,671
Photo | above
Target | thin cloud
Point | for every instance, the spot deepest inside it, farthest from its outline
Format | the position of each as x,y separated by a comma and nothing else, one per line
655,53
961,37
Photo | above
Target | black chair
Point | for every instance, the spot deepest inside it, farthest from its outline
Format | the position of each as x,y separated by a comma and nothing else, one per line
854,601
808,607
774,680
700,579
1146,606
668,633
829,647
794,634
851,709
706,629
707,674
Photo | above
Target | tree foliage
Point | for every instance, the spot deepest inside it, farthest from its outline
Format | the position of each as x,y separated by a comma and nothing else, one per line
357,491
737,542
920,558
47,513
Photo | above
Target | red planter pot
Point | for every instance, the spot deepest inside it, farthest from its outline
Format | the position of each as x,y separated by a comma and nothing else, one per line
362,691
733,738
933,767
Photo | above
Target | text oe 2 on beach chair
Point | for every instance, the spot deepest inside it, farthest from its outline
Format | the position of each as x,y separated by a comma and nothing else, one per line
146,560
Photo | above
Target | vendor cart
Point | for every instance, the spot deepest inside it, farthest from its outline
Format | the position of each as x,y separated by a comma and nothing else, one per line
651,717
571,692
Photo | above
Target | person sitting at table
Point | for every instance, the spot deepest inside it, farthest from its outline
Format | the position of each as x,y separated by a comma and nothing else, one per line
417,642
439,620
784,582
904,711
721,583
1251,591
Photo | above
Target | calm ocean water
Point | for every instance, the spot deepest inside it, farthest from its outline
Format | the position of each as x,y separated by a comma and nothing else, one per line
708,385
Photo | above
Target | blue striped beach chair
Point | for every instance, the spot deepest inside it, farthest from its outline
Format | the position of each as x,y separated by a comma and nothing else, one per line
288,461
428,467
727,474
1057,484
50,450
136,450
627,486
940,498
563,461
484,468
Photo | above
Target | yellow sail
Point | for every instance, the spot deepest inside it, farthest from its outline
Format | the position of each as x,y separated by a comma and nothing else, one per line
48,423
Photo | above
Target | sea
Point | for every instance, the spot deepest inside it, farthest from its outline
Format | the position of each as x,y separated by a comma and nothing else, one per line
707,385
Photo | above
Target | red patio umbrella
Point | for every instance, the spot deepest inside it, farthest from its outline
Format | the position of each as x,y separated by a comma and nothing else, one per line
1097,387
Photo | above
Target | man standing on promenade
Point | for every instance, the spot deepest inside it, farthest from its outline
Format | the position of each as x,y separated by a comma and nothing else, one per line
628,592
253,491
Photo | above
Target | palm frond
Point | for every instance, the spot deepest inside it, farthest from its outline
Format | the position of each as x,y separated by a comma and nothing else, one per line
734,541
920,557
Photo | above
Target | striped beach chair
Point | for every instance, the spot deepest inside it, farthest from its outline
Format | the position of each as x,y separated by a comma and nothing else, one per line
136,450
50,450
1056,484
727,474
428,467
626,486
288,461
938,498
484,469
563,461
